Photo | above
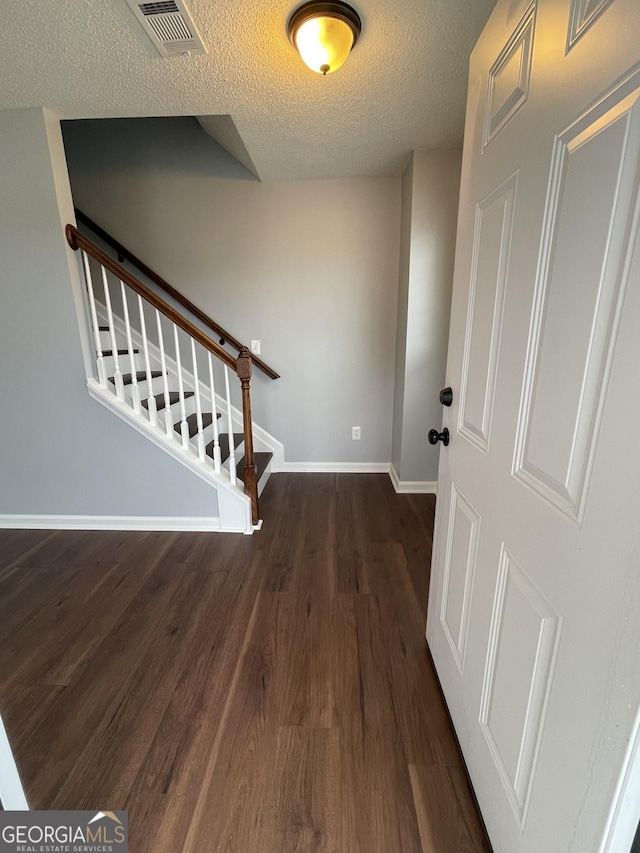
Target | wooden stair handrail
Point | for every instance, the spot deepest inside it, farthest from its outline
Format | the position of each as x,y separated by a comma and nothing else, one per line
172,292
78,241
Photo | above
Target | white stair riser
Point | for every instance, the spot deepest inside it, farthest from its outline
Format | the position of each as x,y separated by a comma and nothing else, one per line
176,414
145,388
262,482
121,340
124,363
239,454
189,406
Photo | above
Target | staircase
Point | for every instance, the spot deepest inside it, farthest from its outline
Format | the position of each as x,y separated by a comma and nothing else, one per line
157,370
262,459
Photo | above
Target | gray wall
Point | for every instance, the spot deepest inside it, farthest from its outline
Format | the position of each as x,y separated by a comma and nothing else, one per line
61,453
431,185
403,307
310,268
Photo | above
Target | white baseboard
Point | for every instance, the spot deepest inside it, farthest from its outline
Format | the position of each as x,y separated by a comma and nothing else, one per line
334,467
412,487
109,522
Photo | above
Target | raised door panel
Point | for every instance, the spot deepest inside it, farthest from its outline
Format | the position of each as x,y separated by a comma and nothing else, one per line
459,569
508,85
492,241
523,645
583,14
579,292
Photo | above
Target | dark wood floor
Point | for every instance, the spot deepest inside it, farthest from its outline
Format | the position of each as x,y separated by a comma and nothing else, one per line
242,694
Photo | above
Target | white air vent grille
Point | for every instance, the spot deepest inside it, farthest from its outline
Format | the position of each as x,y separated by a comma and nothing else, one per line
169,26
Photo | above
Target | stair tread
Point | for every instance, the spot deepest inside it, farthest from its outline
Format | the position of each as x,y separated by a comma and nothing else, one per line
141,376
108,352
238,438
192,422
262,459
174,397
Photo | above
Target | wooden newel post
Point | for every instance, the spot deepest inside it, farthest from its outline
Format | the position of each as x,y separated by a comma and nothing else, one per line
243,364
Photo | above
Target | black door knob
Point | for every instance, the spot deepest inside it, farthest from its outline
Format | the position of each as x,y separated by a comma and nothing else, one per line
435,436
446,396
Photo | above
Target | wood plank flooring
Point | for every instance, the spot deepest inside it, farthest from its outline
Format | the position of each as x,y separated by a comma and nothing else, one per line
241,694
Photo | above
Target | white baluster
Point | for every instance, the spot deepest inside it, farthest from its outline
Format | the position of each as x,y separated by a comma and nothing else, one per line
135,392
198,402
151,400
184,426
102,374
117,374
232,450
217,463
165,382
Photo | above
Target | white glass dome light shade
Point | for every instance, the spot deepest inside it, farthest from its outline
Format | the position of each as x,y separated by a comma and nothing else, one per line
324,34
324,43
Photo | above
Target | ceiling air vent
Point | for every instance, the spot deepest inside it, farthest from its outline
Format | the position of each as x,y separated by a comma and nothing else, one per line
169,26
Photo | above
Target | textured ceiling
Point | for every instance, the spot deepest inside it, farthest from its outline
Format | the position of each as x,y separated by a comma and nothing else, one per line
403,87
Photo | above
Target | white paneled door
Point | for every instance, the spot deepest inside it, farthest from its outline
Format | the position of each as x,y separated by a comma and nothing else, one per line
534,613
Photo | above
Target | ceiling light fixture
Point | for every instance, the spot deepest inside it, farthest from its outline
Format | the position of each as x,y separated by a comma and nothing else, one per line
324,34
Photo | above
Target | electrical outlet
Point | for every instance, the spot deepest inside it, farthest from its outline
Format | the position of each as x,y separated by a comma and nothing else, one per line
255,347
356,433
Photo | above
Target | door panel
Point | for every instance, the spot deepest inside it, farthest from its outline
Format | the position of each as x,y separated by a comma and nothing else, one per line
583,14
574,326
459,568
494,221
523,643
508,88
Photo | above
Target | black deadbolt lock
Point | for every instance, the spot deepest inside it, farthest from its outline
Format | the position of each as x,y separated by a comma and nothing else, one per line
446,396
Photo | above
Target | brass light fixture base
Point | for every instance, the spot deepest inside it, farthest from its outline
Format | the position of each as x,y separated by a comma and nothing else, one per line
315,9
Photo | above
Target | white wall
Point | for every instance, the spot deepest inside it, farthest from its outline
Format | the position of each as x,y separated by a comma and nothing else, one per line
61,453
431,186
310,268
